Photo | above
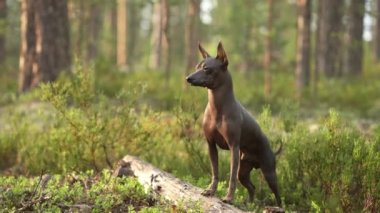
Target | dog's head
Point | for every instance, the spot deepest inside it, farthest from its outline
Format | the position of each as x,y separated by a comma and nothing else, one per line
210,72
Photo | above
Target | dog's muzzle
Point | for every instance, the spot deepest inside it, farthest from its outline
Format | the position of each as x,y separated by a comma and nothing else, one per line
194,82
189,79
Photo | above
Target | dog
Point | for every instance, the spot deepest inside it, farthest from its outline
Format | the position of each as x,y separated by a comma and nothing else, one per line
228,125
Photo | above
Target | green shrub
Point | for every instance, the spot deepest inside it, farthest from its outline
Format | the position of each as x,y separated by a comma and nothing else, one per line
331,168
101,193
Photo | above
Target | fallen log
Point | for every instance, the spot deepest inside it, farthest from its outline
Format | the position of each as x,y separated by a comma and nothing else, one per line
172,188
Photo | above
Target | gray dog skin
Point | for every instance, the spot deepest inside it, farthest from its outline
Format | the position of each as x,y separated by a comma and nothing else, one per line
230,126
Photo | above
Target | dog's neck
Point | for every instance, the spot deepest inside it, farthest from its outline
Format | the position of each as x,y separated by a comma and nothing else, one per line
221,96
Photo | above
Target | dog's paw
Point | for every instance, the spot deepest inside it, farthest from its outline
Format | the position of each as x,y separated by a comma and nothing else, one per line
227,199
208,192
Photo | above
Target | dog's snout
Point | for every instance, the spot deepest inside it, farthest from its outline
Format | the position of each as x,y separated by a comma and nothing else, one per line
189,79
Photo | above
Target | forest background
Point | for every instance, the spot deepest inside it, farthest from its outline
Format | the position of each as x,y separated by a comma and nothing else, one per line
84,83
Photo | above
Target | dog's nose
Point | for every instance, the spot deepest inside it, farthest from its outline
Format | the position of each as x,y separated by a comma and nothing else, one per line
189,79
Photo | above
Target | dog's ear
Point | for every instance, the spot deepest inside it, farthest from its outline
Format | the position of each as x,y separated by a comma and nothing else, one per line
203,52
221,54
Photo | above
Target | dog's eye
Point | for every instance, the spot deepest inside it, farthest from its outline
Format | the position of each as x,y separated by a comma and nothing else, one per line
207,70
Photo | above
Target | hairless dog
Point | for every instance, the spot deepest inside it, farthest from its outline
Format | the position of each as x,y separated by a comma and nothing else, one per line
230,126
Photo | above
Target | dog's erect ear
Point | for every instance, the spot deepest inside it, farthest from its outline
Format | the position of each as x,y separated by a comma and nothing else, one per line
221,55
203,51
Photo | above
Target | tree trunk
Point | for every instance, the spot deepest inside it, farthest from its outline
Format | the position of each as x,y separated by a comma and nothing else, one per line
3,26
268,52
122,34
247,38
160,37
45,43
303,45
156,39
165,11
81,24
94,27
318,50
329,37
27,78
377,31
191,34
134,19
354,58
320,42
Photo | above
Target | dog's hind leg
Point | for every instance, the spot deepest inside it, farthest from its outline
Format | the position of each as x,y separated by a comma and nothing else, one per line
245,168
271,178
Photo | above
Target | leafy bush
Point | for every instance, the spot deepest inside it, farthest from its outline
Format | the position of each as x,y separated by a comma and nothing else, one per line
331,169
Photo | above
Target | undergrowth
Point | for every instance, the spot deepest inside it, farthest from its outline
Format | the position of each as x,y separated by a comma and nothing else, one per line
79,123
78,192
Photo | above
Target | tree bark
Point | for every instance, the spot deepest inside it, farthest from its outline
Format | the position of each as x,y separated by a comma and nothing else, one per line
320,40
329,37
3,27
377,31
246,52
156,39
122,34
303,46
354,58
317,51
191,34
165,11
134,18
81,24
268,52
160,37
45,42
94,27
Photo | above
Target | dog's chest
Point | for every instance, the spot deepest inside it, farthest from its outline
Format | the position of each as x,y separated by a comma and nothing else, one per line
212,122
211,127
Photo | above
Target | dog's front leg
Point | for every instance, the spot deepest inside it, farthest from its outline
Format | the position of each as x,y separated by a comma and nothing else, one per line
233,173
213,153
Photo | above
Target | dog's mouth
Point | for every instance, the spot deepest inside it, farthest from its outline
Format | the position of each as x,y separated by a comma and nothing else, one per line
200,84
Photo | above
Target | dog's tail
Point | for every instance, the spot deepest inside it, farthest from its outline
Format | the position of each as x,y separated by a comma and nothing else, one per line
279,149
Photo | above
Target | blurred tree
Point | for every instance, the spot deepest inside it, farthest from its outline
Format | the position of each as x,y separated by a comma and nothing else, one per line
317,50
45,42
122,33
133,25
377,30
247,37
240,30
165,11
176,33
93,25
268,52
329,43
303,45
80,20
106,31
191,33
353,62
86,18
160,36
3,16
156,36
